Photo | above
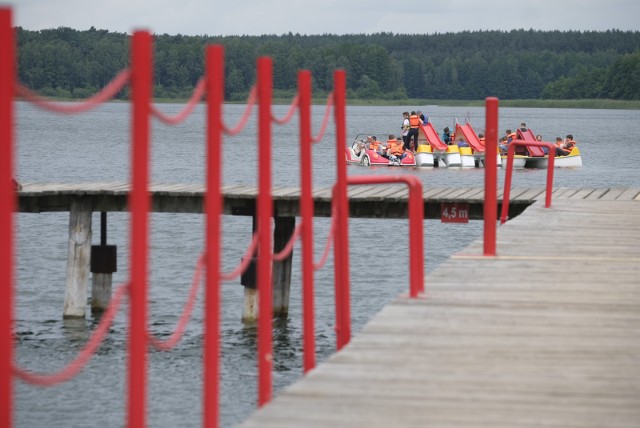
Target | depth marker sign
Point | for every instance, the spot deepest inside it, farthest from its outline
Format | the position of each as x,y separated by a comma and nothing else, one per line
454,212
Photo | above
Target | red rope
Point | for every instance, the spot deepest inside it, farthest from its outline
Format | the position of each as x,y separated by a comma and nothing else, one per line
278,257
107,93
253,94
327,246
246,259
198,93
325,121
83,357
289,115
165,345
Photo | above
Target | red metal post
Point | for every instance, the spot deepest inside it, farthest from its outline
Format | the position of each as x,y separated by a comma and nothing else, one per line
7,207
306,211
490,176
265,209
416,235
213,210
416,222
507,184
341,247
507,179
139,203
550,169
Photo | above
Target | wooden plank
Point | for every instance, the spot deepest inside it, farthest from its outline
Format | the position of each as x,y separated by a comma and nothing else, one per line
563,192
582,193
629,194
529,194
435,192
613,193
597,193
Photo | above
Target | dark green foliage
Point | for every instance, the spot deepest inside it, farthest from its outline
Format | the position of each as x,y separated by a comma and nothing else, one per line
468,65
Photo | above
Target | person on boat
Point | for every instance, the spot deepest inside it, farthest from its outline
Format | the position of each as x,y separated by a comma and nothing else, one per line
564,147
545,149
503,145
406,126
560,150
374,144
569,142
509,136
421,116
523,127
446,135
414,124
461,142
395,150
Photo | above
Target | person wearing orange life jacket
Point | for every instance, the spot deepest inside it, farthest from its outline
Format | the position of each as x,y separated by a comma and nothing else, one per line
564,148
395,150
414,124
570,143
374,144
509,136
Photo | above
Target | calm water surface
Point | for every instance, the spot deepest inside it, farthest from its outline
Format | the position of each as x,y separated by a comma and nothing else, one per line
95,147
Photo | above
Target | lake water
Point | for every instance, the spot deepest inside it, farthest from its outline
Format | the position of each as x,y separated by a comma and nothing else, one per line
95,147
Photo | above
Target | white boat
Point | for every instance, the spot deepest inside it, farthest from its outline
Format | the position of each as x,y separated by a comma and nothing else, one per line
442,154
535,157
572,160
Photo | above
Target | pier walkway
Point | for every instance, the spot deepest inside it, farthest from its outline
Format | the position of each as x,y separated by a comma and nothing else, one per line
545,334
377,201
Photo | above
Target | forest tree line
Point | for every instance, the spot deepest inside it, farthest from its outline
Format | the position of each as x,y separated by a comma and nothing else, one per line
518,64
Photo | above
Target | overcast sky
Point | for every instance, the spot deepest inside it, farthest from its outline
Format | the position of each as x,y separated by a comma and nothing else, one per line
255,17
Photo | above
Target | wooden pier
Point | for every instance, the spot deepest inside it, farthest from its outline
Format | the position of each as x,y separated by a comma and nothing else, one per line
545,334
380,201
367,201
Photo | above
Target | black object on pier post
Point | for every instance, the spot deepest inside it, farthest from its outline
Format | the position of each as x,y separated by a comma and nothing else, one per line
103,263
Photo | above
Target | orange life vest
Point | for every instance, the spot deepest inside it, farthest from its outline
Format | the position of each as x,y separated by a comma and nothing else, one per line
570,145
414,121
374,145
395,147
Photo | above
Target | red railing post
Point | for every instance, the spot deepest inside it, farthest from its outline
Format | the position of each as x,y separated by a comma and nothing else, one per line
306,212
265,211
416,235
490,176
213,210
507,178
416,221
341,247
7,207
139,203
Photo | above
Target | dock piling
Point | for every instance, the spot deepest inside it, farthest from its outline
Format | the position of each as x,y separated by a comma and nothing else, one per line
75,299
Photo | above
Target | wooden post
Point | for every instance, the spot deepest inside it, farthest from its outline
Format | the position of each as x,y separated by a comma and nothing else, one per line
75,299
101,285
284,227
250,306
248,279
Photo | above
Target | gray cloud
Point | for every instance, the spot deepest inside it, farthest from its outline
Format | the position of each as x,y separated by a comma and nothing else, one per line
254,17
